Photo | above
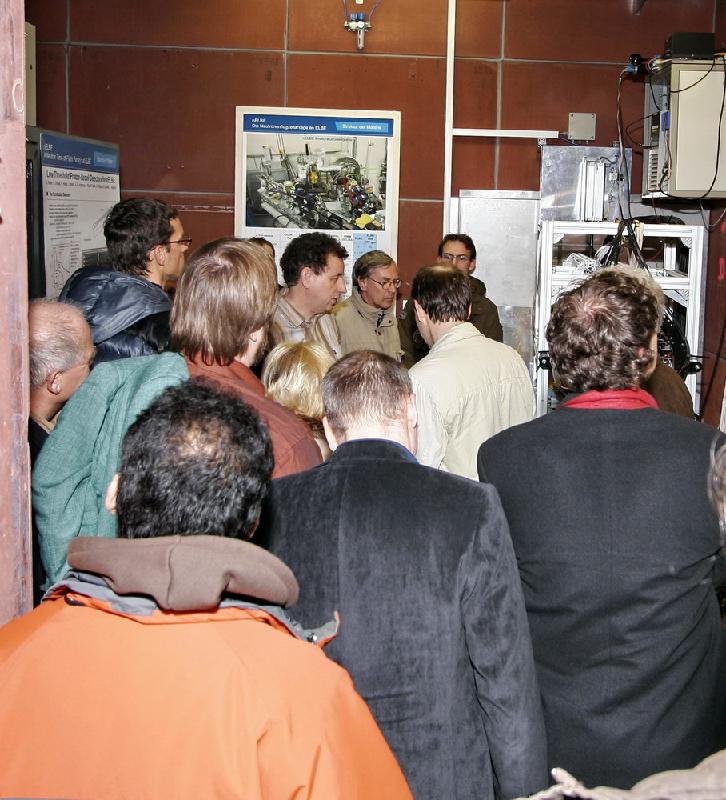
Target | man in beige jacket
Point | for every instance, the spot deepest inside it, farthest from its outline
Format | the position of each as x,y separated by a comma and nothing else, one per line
367,319
468,387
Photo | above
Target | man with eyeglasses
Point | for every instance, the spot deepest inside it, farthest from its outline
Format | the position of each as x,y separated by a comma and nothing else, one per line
367,319
125,304
457,249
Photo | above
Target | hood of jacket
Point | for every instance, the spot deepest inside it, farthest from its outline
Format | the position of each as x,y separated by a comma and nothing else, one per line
377,317
185,573
113,301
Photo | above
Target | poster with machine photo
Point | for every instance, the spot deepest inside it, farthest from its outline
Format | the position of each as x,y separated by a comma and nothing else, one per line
302,169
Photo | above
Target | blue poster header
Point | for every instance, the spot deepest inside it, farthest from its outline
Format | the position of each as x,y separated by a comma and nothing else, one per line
283,123
70,153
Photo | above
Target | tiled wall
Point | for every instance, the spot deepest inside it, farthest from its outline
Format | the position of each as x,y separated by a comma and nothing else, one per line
162,80
714,338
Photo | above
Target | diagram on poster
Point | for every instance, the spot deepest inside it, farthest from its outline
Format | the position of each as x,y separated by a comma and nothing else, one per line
335,171
80,184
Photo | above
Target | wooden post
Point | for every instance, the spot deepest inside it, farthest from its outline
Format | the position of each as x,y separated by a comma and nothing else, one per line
15,560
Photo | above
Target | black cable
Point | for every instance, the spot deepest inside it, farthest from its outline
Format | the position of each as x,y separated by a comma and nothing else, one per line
630,126
652,93
373,10
706,223
702,78
717,354
621,149
345,11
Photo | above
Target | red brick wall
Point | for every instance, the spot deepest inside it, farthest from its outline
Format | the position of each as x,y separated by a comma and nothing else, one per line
162,80
714,334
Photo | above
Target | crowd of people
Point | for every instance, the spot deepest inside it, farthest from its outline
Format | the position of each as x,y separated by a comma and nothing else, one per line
290,545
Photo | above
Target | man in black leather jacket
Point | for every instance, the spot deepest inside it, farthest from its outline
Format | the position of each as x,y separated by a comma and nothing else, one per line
126,305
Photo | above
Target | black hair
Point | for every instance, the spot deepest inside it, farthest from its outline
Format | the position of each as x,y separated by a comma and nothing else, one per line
197,461
443,292
309,250
467,241
132,228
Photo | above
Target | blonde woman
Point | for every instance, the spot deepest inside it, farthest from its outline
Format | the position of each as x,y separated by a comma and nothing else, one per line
292,375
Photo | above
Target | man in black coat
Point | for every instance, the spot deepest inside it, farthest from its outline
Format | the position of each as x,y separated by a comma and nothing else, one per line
126,305
617,547
419,564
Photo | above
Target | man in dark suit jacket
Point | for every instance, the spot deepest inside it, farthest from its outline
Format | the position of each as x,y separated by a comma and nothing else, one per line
617,547
420,566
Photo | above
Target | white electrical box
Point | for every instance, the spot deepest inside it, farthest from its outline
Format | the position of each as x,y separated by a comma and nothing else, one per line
685,109
581,127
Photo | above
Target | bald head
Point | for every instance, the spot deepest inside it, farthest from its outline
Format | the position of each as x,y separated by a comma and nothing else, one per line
59,339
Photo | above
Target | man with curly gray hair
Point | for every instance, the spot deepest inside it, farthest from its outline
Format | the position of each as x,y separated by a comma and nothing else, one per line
617,547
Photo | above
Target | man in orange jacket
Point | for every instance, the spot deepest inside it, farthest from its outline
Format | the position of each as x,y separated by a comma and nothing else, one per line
163,663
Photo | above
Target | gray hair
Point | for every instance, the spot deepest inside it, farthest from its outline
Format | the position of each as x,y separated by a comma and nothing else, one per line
645,278
364,386
372,260
55,330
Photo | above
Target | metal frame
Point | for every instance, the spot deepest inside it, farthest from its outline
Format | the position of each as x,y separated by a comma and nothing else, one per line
450,131
553,279
449,113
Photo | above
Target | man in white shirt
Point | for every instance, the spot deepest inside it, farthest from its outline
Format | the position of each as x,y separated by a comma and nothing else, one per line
468,387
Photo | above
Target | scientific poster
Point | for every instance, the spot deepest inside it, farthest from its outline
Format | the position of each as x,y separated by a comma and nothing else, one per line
303,169
80,180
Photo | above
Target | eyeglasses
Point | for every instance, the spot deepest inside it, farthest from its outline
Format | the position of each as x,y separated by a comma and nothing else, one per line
187,242
461,257
389,283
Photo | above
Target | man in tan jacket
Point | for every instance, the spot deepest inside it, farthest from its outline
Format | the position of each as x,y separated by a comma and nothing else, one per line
468,387
367,319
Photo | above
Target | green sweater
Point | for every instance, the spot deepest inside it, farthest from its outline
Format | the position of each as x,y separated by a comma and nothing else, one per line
82,454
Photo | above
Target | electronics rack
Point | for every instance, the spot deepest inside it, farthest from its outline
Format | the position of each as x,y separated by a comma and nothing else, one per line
680,286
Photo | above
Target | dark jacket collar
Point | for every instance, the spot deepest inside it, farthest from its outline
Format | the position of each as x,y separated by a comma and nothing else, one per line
363,449
113,300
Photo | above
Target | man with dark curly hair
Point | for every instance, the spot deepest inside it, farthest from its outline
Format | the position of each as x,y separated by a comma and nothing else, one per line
617,546
313,268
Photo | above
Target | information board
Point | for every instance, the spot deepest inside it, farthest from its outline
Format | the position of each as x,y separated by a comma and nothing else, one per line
80,183
303,169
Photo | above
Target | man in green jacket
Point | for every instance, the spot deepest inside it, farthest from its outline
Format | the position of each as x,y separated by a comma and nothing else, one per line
82,453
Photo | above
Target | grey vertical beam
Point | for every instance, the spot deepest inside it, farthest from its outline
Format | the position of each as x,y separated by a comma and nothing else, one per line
449,112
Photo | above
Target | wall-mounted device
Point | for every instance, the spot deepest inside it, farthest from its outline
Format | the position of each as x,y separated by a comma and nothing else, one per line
685,117
581,127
